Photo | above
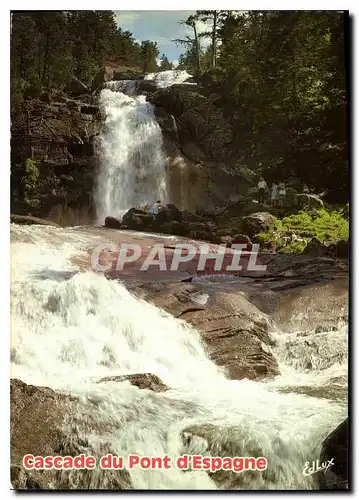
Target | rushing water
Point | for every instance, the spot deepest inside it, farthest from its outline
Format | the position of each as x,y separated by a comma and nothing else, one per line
70,327
164,79
132,160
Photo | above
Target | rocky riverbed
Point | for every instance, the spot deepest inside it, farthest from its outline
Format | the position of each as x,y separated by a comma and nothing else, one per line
151,364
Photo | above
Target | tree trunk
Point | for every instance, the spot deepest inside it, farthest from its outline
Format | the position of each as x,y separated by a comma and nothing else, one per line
198,47
214,39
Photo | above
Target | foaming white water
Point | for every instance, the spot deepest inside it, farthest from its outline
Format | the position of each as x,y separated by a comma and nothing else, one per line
168,78
312,358
132,161
70,330
127,87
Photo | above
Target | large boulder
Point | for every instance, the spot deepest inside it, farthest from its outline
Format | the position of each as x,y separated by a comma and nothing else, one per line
137,219
141,380
234,332
147,86
259,222
113,223
310,200
335,447
316,248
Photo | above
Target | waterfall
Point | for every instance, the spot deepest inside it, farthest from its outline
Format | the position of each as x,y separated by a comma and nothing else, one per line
131,156
165,79
71,327
132,161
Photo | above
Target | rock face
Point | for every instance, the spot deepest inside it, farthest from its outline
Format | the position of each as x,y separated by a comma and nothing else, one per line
197,140
335,447
234,332
202,122
110,73
45,422
57,134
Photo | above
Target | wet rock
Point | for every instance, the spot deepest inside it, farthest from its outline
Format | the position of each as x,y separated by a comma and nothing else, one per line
257,223
309,306
234,332
335,447
45,422
113,223
137,219
147,86
28,219
141,380
167,122
110,73
210,440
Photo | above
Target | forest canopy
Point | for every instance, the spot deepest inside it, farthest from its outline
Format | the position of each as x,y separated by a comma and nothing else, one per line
281,78
49,47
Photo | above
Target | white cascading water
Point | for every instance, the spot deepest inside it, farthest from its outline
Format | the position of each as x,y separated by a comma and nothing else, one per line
164,79
70,327
133,164
132,160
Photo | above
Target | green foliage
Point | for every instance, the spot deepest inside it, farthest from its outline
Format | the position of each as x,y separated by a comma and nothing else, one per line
49,47
327,226
165,64
280,79
293,247
149,54
321,224
30,183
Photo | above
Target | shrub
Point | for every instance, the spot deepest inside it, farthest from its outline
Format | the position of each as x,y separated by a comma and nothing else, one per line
30,183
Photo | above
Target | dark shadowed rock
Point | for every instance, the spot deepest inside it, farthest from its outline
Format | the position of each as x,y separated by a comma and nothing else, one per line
335,447
141,380
137,219
316,248
113,223
339,250
147,86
